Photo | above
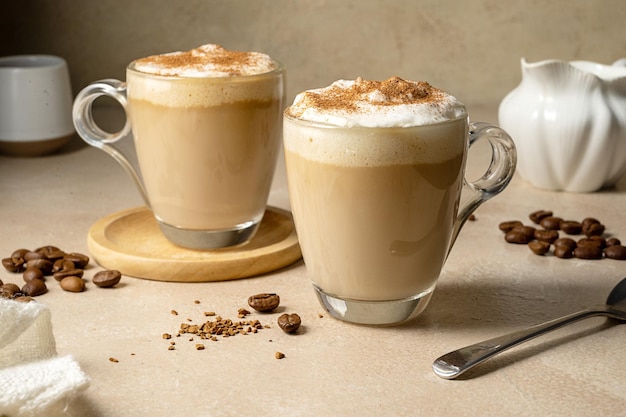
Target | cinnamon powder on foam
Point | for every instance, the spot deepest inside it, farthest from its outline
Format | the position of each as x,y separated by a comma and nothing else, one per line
391,92
224,60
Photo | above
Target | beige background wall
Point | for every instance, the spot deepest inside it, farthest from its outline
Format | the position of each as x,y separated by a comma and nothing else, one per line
471,48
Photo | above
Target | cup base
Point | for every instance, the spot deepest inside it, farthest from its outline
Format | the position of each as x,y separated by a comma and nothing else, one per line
210,239
377,313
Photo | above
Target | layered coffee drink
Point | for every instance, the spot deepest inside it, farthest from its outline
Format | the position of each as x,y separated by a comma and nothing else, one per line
375,170
206,125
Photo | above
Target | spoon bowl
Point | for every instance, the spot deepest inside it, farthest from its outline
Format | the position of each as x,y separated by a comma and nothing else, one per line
455,363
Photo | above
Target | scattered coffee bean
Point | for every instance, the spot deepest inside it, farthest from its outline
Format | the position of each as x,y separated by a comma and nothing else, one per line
538,215
588,252
73,284
264,302
509,225
612,241
592,241
571,227
107,278
546,235
19,253
61,275
564,252
62,265
34,288
80,260
617,252
290,323
588,221
279,355
551,223
9,290
594,229
539,247
518,236
13,264
40,263
566,242
31,273
31,255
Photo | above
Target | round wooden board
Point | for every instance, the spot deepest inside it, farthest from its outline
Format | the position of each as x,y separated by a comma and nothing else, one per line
131,242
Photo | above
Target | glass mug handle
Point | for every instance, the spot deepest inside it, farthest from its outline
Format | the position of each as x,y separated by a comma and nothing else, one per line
91,133
496,177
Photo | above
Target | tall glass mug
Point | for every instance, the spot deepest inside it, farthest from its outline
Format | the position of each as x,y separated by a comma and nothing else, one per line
206,125
375,173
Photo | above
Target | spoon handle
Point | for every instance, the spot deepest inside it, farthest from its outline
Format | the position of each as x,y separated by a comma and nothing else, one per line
455,363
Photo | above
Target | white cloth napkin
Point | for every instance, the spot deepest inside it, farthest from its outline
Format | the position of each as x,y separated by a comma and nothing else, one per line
34,381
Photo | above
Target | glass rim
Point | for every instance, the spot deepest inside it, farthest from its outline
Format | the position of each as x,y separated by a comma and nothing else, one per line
280,69
287,116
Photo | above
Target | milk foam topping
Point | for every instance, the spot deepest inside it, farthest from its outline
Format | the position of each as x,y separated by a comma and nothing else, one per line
205,76
206,61
391,103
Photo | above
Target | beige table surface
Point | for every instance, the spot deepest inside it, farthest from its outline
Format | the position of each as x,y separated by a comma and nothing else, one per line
330,368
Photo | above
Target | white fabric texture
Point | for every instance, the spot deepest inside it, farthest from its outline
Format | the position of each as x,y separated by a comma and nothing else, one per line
34,381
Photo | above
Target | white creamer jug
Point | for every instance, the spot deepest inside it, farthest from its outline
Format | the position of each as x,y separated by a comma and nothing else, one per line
568,122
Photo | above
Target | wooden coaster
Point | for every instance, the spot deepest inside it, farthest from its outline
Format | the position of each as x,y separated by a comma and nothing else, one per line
131,242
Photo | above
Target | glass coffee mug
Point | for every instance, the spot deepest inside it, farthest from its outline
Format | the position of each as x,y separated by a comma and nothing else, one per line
206,147
377,209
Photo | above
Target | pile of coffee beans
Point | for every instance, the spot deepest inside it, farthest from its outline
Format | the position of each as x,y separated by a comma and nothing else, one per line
546,233
66,268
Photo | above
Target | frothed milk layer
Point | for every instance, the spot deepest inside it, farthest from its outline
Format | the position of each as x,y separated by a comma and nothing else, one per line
206,76
358,146
391,103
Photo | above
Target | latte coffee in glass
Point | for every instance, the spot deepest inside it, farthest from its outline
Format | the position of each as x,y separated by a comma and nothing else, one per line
375,172
206,125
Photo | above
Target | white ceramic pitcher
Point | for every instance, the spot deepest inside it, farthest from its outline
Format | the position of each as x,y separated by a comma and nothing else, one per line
568,122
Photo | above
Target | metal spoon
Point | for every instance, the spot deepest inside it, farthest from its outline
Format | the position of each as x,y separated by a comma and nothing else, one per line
455,363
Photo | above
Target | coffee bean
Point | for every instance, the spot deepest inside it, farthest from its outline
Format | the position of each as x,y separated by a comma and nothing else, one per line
538,215
539,247
588,221
52,253
11,265
612,241
73,284
80,260
34,288
290,323
107,278
594,229
509,225
563,252
33,273
9,290
588,252
592,241
546,235
571,227
30,255
566,242
62,265
615,252
551,223
43,264
19,253
517,237
264,302
60,275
